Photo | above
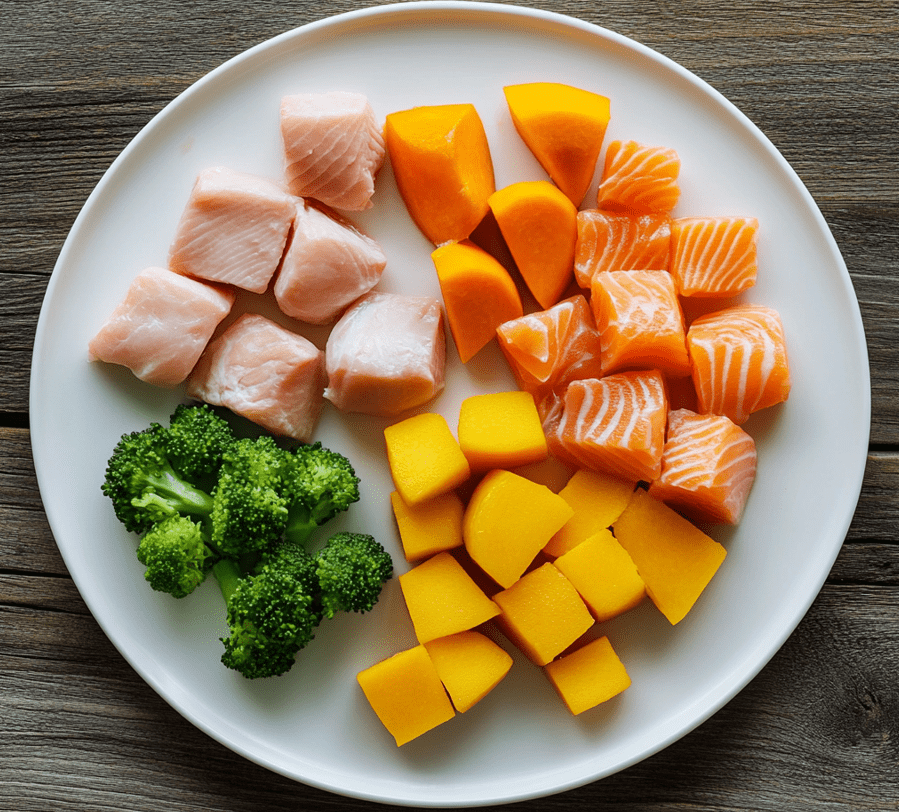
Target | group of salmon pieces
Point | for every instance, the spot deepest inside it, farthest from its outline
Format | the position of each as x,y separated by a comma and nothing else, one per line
385,352
624,383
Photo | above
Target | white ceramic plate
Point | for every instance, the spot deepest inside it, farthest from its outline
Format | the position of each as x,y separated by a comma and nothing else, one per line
313,724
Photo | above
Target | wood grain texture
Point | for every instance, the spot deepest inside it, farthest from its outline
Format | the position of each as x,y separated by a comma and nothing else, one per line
817,730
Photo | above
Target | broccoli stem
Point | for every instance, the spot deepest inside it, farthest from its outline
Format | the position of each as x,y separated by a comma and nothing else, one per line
228,574
169,487
300,525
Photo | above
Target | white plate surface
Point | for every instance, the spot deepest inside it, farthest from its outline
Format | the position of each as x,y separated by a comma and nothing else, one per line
314,724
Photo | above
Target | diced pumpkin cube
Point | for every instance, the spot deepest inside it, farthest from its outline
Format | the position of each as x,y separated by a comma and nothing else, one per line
406,693
442,598
470,665
443,169
542,613
425,458
588,675
430,527
501,430
509,519
563,126
478,295
604,575
539,224
675,559
597,500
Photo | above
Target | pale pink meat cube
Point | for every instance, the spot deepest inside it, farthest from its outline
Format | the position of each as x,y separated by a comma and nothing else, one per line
233,229
265,373
333,147
161,326
386,354
327,266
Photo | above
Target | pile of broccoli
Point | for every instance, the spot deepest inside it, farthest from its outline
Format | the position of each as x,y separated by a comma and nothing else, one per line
245,509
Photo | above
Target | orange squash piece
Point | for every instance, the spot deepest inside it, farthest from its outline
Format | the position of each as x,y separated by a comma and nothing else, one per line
675,559
597,499
406,693
563,127
425,459
442,598
470,666
478,295
542,614
604,575
508,521
430,527
443,169
501,430
539,224
588,676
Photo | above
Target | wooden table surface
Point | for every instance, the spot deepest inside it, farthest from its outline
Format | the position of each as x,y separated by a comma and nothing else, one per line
818,729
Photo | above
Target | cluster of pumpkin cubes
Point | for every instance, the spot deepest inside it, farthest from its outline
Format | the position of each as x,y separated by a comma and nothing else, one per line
496,545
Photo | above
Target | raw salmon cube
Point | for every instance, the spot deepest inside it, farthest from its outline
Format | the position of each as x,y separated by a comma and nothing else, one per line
640,322
333,147
639,179
616,424
328,265
265,373
708,467
386,354
714,256
739,360
162,326
233,229
548,349
620,242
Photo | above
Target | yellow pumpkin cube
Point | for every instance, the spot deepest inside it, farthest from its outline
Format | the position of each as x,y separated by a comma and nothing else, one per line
675,558
542,614
424,457
406,693
509,519
470,665
588,675
604,575
597,500
501,430
442,598
430,527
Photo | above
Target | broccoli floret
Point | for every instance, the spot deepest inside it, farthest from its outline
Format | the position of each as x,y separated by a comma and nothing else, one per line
351,568
271,616
321,484
249,510
196,441
143,485
176,556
